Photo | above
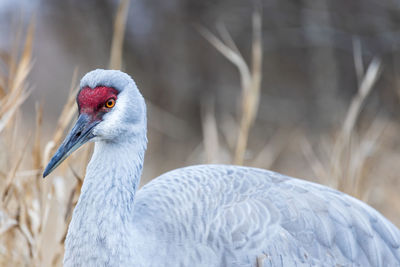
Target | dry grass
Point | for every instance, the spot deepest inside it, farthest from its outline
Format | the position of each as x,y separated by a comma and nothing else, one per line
346,166
35,213
28,203
250,79
119,33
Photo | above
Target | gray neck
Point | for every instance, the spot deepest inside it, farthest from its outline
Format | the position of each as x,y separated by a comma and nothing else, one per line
114,168
103,216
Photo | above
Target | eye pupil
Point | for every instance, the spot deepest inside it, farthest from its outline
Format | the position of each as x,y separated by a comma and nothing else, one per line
110,103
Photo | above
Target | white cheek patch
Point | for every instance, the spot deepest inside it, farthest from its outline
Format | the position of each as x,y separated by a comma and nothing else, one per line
112,124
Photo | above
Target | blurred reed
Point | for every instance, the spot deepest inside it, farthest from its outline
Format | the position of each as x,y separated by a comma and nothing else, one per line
346,166
250,78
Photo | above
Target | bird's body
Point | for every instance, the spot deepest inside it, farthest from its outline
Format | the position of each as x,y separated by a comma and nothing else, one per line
220,215
206,215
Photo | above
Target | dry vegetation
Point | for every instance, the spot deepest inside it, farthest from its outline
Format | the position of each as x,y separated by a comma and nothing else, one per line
28,203
34,213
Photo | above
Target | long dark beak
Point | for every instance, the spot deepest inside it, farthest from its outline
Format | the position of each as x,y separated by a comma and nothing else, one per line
79,135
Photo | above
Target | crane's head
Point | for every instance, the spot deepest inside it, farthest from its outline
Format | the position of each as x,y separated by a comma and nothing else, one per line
111,109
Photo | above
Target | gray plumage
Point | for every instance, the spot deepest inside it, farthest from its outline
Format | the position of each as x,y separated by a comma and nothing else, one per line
234,215
210,215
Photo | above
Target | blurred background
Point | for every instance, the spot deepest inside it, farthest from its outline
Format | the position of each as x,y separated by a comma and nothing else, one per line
306,88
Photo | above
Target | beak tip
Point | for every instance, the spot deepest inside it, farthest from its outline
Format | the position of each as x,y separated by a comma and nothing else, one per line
79,135
47,170
45,173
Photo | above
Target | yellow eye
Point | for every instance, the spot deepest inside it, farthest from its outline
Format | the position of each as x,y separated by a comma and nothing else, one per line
110,103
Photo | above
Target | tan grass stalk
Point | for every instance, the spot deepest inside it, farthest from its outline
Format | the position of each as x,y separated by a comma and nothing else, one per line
210,132
17,92
342,147
118,36
349,158
250,78
368,145
36,151
11,174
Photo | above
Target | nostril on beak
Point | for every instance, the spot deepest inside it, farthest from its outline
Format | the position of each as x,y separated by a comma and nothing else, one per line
78,134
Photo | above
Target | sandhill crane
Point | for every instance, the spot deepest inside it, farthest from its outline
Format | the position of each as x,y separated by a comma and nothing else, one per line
206,215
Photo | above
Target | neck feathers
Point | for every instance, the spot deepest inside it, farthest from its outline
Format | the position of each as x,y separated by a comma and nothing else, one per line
101,225
115,165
